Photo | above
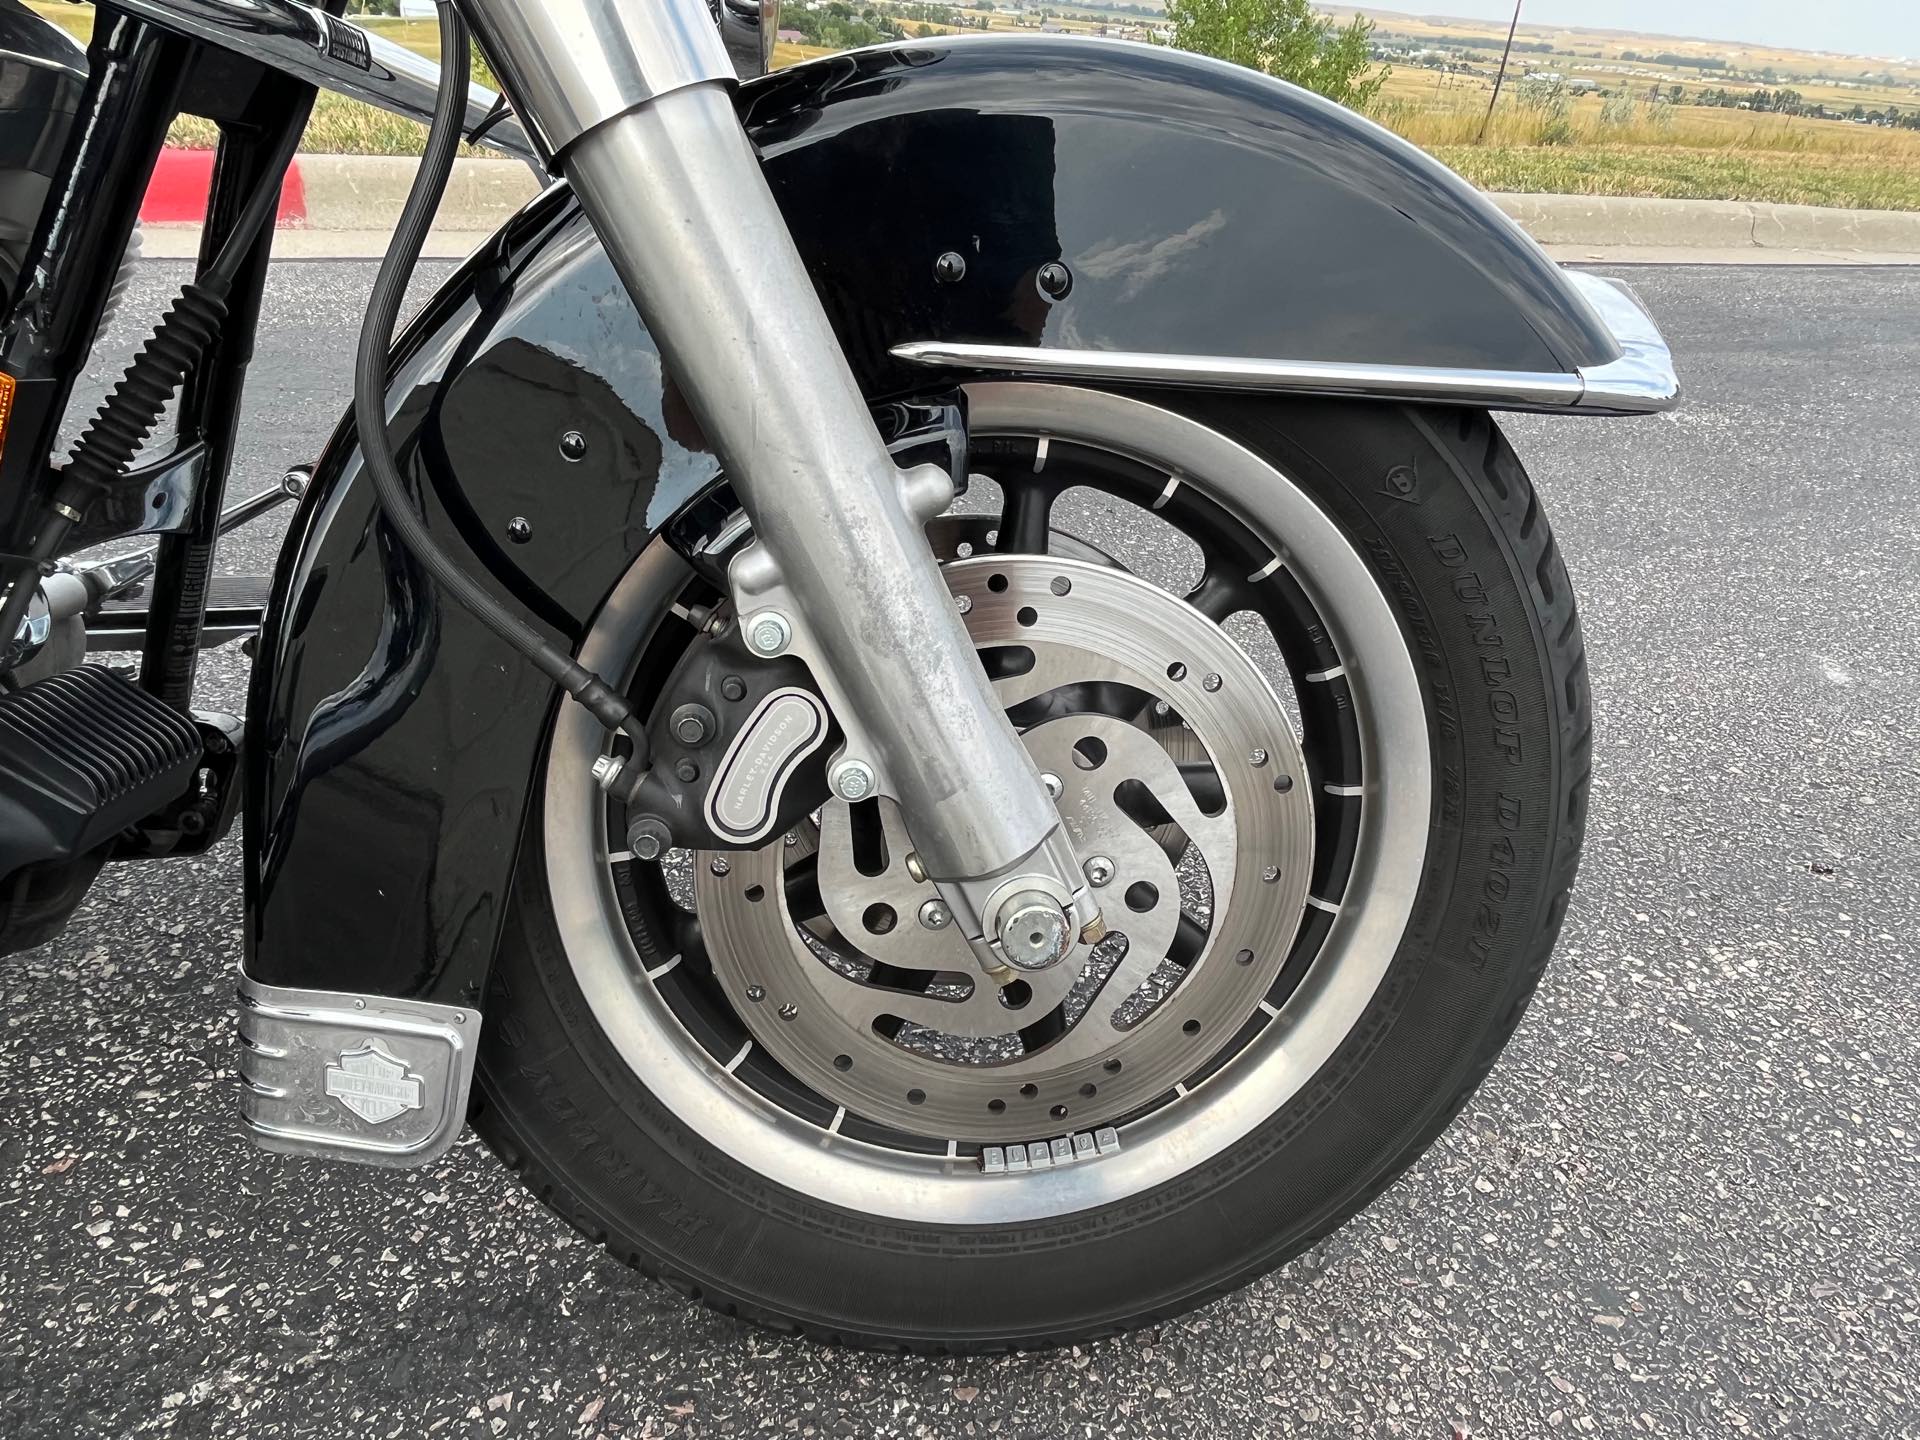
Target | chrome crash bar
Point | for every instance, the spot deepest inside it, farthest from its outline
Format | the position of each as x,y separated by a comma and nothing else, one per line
1641,381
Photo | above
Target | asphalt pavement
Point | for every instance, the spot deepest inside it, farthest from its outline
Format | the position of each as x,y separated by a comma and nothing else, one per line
1685,1202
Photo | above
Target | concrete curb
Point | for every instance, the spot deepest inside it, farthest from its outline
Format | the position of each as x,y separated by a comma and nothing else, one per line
1604,220
363,193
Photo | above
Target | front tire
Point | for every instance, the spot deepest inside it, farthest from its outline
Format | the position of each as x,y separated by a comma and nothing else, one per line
1439,515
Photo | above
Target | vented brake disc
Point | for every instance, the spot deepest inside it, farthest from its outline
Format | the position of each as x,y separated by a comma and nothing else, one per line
1180,779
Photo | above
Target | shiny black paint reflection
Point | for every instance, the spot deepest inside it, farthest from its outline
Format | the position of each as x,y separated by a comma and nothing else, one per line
1199,209
398,736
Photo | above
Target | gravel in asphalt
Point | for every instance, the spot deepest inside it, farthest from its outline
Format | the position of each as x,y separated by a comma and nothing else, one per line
1684,1203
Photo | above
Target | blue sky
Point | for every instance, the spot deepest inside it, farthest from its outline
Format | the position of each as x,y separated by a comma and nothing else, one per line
1868,27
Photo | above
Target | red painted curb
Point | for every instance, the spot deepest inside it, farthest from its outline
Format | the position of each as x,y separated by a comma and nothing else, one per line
177,194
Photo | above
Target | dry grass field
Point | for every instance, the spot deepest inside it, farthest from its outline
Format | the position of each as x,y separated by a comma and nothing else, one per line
1684,150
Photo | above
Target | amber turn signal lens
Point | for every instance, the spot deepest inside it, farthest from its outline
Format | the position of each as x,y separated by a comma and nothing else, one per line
6,408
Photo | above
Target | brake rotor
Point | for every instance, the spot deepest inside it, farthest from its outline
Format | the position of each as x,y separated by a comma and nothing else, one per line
1178,769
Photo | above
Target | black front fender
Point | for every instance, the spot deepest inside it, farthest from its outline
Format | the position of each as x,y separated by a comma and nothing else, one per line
1198,209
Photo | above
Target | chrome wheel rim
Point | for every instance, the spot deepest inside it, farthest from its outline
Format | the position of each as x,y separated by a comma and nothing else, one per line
952,1182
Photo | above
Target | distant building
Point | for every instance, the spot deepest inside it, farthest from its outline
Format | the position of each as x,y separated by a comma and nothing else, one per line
790,37
418,9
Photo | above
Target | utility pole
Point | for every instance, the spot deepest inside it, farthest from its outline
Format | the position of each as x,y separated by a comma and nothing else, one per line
1500,79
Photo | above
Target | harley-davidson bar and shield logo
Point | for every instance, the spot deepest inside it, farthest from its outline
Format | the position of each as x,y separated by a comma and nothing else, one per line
373,1084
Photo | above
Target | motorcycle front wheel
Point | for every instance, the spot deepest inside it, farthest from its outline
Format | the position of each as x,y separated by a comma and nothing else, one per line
1309,683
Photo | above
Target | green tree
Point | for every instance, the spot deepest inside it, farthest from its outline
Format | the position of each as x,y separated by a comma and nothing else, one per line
1283,38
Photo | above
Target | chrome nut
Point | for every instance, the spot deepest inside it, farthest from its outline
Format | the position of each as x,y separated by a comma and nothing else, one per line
606,771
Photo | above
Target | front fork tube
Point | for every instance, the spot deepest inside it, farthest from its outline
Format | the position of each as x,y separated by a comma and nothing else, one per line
840,572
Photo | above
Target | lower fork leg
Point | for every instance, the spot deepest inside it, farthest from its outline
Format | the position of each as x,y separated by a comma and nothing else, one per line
840,571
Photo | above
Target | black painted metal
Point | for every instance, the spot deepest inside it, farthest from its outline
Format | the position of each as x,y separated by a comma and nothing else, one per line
209,410
43,75
383,720
79,244
1197,207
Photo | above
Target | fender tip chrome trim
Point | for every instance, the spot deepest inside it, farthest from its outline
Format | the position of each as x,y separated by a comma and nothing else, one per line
364,1078
1641,381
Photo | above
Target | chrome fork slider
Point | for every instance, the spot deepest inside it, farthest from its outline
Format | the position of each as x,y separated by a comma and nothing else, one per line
629,101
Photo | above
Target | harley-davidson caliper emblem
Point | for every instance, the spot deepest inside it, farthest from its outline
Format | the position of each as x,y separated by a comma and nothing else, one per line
373,1084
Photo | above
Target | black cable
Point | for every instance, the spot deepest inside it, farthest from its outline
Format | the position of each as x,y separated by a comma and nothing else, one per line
370,409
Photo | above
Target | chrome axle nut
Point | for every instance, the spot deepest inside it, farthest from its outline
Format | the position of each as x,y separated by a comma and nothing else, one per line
769,633
1034,932
852,780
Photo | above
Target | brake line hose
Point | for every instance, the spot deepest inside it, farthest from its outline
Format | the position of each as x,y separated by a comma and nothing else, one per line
370,414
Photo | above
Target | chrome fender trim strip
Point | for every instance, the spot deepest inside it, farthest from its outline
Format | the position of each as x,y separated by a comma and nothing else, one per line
1641,381
364,1078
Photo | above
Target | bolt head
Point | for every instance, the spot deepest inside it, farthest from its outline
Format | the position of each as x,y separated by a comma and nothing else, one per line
573,446
852,780
519,530
1052,782
769,633
686,772
1099,870
606,771
732,687
935,915
693,725
1055,280
1257,759
1211,683
648,838
950,267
